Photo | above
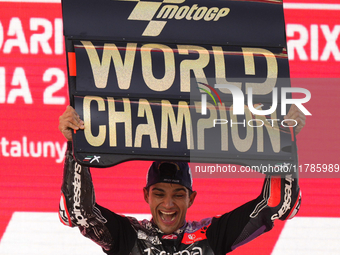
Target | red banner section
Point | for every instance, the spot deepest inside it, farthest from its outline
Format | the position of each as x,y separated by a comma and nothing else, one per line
313,38
33,81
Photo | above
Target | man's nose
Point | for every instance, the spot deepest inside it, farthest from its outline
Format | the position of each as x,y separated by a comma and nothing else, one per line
168,202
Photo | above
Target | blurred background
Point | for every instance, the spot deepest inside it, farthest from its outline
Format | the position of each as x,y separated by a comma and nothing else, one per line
34,93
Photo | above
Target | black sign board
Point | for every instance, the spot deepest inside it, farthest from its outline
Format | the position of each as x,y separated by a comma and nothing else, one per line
165,79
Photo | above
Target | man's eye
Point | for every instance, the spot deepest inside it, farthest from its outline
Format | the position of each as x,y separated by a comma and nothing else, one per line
179,195
158,195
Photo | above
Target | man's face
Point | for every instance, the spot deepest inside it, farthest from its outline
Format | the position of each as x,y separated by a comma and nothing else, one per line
168,204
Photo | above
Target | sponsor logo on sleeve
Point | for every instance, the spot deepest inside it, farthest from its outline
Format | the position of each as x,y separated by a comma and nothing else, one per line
287,198
77,210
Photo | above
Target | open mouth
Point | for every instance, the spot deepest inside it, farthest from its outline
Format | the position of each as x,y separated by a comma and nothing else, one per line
168,217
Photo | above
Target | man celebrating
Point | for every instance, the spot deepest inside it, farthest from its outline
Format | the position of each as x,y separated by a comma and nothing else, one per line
169,193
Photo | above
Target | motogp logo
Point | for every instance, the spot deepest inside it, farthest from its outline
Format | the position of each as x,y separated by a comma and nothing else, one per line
148,11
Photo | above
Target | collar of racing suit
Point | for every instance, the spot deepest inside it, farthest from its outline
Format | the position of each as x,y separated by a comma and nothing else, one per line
177,232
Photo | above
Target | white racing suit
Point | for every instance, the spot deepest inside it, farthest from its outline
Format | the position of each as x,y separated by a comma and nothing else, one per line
280,199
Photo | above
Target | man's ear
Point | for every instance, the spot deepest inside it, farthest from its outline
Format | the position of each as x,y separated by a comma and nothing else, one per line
146,195
192,198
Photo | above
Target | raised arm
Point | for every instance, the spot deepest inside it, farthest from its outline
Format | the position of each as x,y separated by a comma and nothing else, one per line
78,206
280,199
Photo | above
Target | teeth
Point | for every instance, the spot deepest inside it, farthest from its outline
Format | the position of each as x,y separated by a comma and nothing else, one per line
167,213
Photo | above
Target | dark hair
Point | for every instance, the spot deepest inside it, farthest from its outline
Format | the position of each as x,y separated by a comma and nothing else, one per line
190,191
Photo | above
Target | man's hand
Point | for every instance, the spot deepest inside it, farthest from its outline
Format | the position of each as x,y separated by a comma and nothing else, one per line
296,114
70,121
